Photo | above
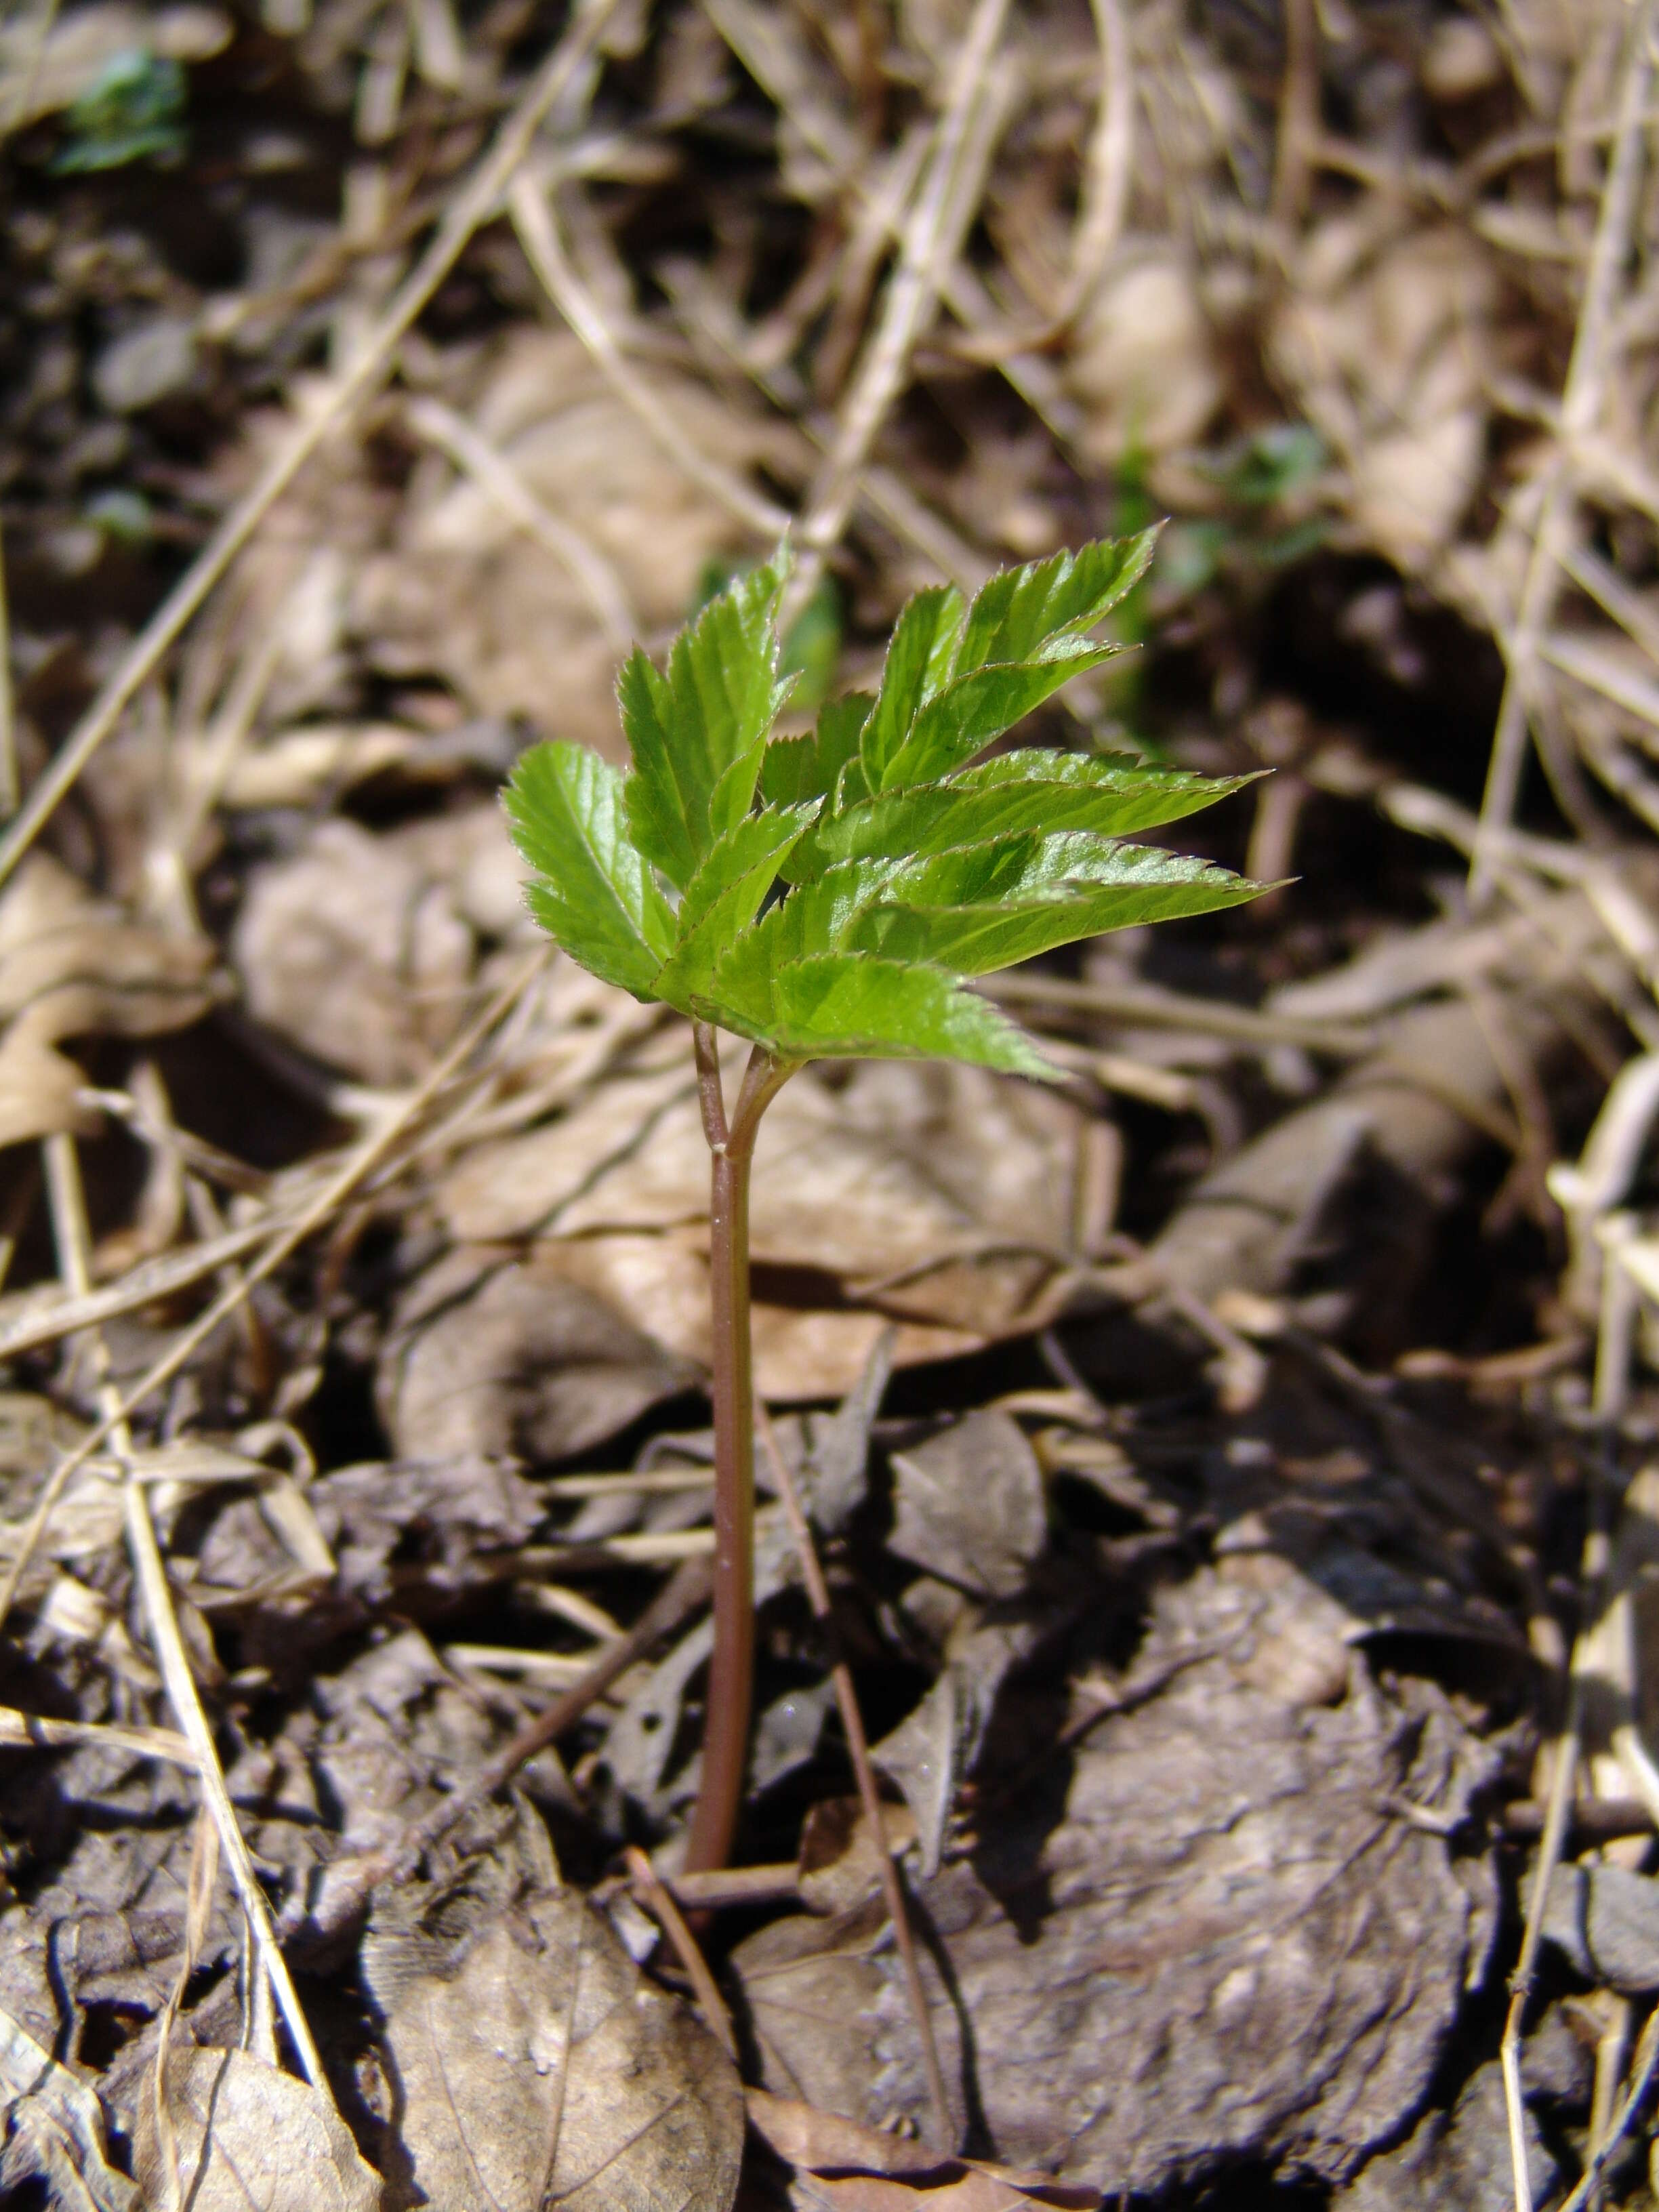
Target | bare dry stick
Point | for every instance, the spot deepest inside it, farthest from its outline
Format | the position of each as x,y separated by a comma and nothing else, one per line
474,204
933,235
858,1747
656,1899
529,203
1581,403
587,567
1111,168
1641,2074
333,1193
9,783
30,1732
69,1221
1612,1380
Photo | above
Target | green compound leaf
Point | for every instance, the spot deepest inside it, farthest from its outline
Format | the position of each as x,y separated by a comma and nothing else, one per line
847,1005
724,897
918,917
796,768
1029,790
698,728
841,916
1025,614
590,889
973,709
918,664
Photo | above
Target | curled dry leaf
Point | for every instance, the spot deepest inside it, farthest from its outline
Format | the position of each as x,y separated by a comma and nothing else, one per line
1386,352
1143,358
859,2169
362,949
486,1355
74,965
940,1194
52,2131
968,1504
532,2065
1231,1873
446,582
250,2138
1605,1919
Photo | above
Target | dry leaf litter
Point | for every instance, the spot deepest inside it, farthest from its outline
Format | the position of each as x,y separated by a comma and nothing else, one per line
1229,1468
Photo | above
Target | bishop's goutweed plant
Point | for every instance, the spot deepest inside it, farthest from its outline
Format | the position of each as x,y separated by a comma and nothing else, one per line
825,896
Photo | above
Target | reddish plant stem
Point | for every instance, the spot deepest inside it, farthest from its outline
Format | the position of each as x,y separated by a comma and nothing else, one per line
732,1665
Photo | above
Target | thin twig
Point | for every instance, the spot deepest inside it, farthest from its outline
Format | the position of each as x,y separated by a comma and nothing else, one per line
360,1164
474,204
933,237
1641,2074
677,1599
1138,1005
1611,1385
10,785
1110,169
656,1899
33,1732
587,567
530,203
69,1221
1581,403
858,1745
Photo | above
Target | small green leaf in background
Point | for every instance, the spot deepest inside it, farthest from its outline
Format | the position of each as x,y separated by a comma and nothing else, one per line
133,111
841,915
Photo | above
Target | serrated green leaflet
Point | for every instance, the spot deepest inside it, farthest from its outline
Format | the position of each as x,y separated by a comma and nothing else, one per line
1023,613
918,665
698,730
974,710
883,851
976,938
725,895
850,1005
592,891
796,768
1015,791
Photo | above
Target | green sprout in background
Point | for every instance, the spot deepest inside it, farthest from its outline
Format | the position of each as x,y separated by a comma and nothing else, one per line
133,111
827,896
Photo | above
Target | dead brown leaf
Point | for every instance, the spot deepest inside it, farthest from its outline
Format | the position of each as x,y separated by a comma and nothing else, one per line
968,1504
1386,352
74,965
859,2169
362,949
533,2065
463,591
491,1356
249,2136
938,1195
1231,1875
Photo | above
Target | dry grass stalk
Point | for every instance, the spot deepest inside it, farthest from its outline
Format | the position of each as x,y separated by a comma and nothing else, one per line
358,1167
858,1748
474,204
587,568
656,1899
10,785
68,1217
1613,1354
945,201
531,202
1581,405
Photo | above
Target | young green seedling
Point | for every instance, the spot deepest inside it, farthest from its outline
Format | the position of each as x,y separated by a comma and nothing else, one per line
825,895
